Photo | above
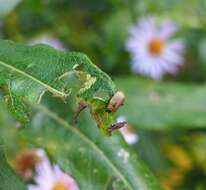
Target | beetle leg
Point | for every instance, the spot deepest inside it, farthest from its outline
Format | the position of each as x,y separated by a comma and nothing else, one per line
95,116
117,126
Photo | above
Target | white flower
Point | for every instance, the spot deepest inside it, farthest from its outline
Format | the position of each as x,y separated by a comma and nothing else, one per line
50,177
46,39
129,135
153,52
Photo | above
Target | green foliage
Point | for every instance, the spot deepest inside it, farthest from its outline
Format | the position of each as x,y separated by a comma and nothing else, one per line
9,180
193,11
42,87
163,105
24,75
103,26
95,161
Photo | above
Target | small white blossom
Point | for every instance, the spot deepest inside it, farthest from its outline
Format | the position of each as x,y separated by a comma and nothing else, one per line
50,177
153,52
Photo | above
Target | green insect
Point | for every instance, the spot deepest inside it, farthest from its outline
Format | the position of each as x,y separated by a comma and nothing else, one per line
103,114
99,94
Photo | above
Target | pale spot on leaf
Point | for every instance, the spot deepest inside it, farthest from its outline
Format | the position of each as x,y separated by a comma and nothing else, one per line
88,83
124,155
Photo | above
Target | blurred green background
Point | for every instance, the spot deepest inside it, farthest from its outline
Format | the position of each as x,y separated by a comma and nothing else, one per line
171,126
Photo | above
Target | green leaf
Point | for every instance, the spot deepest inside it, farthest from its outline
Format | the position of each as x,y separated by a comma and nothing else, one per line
194,11
95,162
8,179
8,131
28,72
163,105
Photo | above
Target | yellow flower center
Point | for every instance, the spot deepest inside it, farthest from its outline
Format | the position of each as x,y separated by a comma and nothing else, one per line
155,46
60,186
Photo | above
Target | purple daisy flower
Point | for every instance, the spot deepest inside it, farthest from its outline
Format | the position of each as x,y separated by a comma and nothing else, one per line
153,52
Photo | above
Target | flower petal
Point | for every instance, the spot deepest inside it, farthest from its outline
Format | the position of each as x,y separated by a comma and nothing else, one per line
167,30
